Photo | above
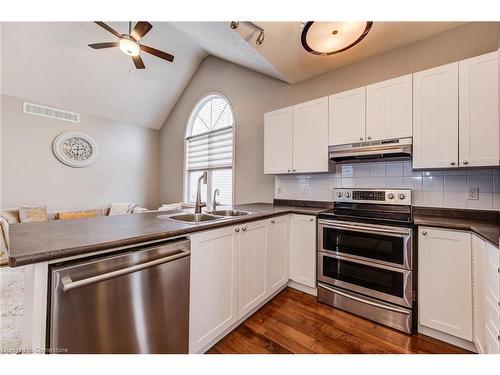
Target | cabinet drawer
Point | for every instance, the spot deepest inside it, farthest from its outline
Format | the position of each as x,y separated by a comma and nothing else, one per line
492,274
492,343
492,316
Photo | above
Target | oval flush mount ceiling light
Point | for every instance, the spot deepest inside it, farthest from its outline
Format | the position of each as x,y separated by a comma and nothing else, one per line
329,38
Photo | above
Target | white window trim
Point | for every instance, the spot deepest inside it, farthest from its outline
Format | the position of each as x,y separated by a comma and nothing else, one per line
192,115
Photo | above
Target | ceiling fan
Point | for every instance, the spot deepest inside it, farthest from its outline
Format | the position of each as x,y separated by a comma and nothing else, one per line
129,43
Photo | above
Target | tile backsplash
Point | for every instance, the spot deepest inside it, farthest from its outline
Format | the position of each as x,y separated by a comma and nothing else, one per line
433,188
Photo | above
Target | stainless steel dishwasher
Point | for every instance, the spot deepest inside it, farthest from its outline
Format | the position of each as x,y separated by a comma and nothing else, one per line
135,301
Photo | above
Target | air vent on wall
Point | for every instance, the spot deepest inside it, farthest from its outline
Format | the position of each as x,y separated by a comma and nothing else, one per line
59,114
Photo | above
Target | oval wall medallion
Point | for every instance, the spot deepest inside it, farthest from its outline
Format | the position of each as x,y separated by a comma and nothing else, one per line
75,149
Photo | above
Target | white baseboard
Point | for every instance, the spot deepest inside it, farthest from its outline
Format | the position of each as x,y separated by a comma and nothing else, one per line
303,288
464,344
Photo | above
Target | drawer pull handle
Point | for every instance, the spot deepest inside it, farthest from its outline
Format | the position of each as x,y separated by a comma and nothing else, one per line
424,233
355,298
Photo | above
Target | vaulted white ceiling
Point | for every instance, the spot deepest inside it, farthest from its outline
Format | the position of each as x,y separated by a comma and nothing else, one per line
50,63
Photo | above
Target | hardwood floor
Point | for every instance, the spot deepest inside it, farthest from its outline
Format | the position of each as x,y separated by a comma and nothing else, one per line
294,322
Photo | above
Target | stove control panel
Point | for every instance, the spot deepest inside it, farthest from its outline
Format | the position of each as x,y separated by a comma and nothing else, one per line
380,196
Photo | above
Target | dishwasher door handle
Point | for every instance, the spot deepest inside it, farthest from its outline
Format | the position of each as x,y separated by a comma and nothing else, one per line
68,284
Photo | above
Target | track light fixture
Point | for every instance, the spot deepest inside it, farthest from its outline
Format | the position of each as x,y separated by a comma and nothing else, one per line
260,38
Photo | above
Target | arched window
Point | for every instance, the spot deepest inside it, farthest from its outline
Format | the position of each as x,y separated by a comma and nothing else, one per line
209,147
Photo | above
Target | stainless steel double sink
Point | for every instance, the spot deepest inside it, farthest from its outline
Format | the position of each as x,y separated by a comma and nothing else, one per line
205,216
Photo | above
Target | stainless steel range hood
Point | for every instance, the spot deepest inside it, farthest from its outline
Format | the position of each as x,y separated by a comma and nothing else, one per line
386,150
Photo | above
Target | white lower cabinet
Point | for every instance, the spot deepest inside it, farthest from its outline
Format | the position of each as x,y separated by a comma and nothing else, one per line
478,292
491,299
213,289
459,286
486,291
251,266
445,281
303,249
277,253
233,271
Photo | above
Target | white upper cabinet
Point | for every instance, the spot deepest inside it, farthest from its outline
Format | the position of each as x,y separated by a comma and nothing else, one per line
451,111
435,117
347,117
445,281
278,141
479,127
277,253
389,109
310,136
296,138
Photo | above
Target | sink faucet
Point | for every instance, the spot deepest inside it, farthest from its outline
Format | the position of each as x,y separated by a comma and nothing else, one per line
214,201
199,204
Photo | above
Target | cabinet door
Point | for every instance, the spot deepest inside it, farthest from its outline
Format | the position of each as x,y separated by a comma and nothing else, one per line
389,109
478,121
445,281
278,141
492,298
213,299
303,249
478,292
277,253
346,118
435,117
310,136
251,266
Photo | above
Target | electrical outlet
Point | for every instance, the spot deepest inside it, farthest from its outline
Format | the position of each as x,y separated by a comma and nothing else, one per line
473,194
280,189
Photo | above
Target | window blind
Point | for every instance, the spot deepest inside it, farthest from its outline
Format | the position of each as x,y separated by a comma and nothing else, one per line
210,150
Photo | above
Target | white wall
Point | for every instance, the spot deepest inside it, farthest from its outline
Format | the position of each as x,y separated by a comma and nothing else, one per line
252,94
436,188
127,169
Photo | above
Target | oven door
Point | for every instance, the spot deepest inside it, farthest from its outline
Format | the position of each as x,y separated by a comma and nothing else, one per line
387,245
386,283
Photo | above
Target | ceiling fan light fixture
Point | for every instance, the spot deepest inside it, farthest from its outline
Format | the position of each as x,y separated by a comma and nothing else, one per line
129,46
328,38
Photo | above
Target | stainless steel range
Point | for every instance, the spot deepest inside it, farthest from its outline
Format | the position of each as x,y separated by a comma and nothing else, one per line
365,258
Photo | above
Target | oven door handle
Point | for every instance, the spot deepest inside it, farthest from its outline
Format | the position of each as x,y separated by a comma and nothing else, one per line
365,229
379,305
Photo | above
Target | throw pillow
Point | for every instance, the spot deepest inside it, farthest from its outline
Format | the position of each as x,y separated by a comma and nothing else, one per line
119,208
11,216
32,214
75,215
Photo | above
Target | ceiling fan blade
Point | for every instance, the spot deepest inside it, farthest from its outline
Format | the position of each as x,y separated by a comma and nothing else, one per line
157,53
104,45
141,28
106,27
139,64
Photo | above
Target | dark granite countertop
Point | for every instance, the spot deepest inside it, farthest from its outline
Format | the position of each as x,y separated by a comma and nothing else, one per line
485,224
38,242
